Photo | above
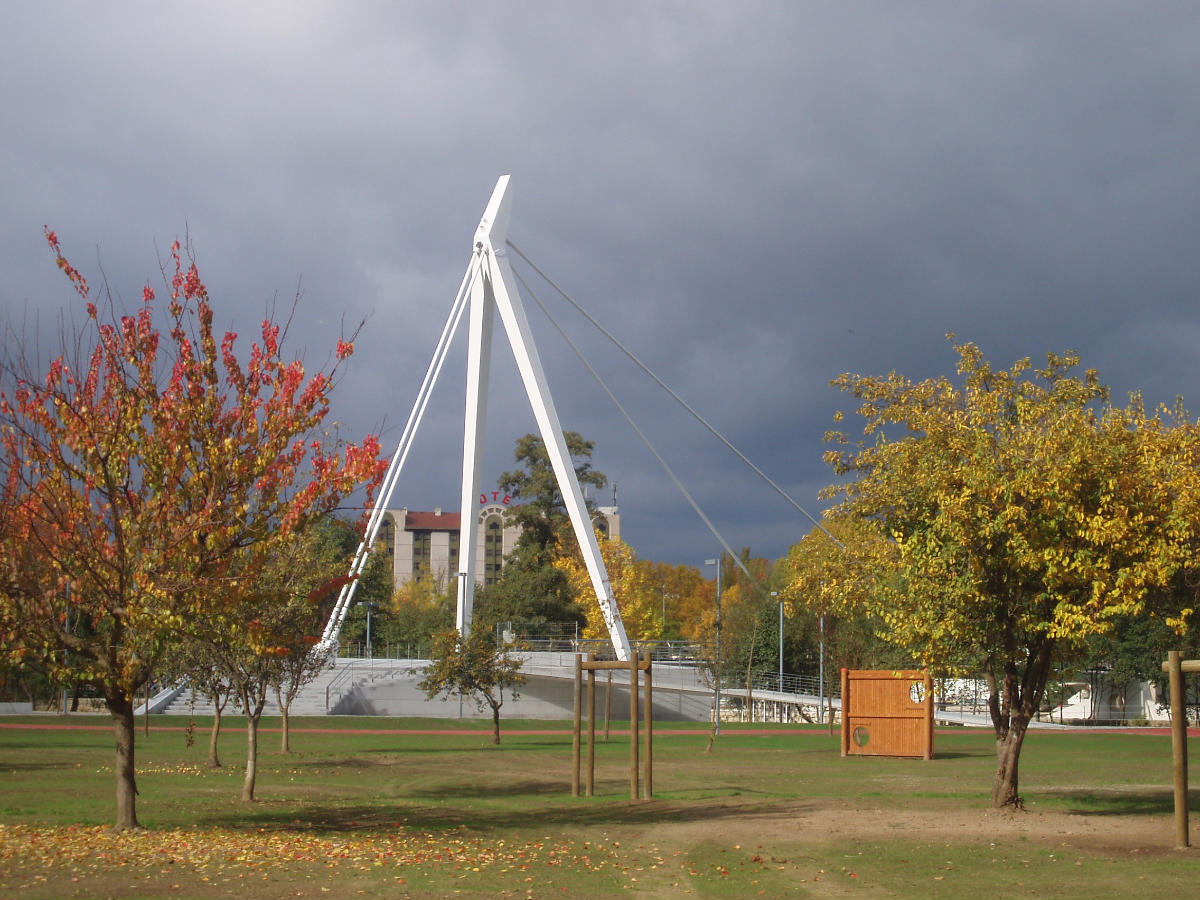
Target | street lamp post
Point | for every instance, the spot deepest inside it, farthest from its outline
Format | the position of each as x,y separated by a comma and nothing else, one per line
663,626
717,679
369,605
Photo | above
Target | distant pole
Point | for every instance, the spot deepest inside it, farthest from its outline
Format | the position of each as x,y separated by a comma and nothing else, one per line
368,605
775,594
607,704
717,678
821,679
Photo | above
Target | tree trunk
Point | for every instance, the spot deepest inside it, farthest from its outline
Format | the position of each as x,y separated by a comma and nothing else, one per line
1006,786
1011,715
251,756
284,743
495,723
214,761
121,708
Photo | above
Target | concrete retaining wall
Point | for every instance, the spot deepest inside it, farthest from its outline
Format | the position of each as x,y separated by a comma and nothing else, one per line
541,697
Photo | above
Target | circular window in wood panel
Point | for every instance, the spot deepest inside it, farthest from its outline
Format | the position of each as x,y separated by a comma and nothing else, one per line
861,736
916,692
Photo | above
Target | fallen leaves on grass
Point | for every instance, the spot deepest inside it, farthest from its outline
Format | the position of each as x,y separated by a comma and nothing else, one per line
208,853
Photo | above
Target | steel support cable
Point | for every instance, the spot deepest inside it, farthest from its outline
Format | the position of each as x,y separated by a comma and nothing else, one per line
699,418
392,476
398,458
632,424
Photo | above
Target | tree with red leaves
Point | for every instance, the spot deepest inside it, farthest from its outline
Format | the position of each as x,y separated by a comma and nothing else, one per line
146,477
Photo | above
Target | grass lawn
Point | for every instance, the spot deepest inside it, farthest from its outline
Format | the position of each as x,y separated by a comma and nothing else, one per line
378,807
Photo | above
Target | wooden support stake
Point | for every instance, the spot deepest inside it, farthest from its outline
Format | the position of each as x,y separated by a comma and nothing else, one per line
648,712
591,739
1179,747
633,726
575,733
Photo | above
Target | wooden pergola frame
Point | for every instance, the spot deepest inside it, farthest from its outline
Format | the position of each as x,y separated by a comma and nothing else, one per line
592,665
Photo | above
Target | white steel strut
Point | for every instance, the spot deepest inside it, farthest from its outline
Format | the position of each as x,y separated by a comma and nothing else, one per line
493,290
490,285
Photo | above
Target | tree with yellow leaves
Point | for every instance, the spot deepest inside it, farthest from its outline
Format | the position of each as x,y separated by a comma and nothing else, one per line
638,596
995,523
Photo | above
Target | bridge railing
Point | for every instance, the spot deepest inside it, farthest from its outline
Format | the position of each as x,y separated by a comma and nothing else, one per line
669,653
685,654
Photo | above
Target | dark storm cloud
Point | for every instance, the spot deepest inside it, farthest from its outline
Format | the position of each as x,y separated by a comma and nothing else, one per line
754,197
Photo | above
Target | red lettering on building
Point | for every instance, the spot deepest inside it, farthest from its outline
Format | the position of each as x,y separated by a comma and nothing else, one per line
483,499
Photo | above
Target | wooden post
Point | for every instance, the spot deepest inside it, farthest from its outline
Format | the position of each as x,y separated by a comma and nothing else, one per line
607,705
575,733
845,712
648,712
929,715
633,726
1179,746
591,740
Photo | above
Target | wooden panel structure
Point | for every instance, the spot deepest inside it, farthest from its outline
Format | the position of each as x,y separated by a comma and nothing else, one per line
887,713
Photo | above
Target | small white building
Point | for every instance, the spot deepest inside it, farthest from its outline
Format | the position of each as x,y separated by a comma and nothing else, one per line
1138,703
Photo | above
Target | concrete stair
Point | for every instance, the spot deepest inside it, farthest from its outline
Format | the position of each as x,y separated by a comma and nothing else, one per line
319,697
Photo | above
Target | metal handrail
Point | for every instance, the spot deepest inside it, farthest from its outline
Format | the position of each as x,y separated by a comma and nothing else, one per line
343,675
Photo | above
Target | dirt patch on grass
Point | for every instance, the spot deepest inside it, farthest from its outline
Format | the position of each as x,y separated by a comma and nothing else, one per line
819,823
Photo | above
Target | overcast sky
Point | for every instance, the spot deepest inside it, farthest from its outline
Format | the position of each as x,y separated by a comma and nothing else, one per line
754,197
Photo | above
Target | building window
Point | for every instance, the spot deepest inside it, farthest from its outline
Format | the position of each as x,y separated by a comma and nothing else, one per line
493,548
386,535
421,554
453,564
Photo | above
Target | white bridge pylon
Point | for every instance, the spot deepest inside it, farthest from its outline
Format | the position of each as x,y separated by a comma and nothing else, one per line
494,291
491,286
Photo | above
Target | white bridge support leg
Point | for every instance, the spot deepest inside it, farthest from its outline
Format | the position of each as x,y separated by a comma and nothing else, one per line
496,291
479,354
